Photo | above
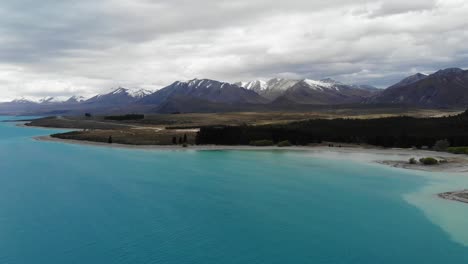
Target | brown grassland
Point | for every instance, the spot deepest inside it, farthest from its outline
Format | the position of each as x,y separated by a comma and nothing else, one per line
159,129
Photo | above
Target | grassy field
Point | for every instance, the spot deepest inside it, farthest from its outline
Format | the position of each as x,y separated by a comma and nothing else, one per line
249,118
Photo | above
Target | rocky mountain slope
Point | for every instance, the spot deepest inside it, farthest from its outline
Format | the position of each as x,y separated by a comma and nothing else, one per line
445,88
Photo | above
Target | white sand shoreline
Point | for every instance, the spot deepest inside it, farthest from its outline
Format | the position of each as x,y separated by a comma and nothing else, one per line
166,147
399,157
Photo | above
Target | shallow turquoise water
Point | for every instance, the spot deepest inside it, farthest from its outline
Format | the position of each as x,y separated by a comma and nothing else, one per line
62,203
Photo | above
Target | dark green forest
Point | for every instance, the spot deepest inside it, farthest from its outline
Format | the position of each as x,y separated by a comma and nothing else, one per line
401,132
125,117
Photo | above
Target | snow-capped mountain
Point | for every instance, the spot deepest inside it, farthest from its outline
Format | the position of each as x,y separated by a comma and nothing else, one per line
135,93
139,93
338,86
257,85
204,89
50,100
323,85
75,99
119,96
276,88
280,84
445,88
323,92
22,100
268,89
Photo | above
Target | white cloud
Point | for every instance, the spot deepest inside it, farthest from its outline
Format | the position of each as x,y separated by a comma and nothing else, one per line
84,47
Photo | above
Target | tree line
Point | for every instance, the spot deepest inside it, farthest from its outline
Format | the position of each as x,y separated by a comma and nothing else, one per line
125,117
401,131
182,140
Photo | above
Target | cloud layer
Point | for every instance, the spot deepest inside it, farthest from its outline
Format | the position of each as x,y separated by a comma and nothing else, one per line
62,48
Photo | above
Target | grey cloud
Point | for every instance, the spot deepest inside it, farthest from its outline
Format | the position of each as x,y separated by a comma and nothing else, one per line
65,47
402,6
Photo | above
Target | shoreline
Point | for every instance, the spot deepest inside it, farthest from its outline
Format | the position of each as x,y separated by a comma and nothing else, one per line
455,164
165,147
25,125
397,158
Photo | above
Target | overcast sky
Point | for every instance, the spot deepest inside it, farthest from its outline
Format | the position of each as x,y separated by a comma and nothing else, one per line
63,48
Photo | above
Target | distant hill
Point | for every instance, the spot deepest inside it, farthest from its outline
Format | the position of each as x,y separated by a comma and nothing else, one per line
118,100
445,88
409,80
18,106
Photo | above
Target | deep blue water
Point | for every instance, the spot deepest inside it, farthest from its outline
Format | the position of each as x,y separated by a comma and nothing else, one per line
63,203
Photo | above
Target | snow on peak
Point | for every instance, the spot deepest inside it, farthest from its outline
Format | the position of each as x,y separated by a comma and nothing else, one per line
203,83
135,93
22,100
193,82
120,90
331,81
320,85
139,93
255,85
49,100
76,99
281,84
197,82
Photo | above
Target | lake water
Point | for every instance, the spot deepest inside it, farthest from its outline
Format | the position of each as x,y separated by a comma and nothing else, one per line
64,203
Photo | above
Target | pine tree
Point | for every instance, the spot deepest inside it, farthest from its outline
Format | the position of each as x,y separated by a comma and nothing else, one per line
185,138
109,140
174,140
180,140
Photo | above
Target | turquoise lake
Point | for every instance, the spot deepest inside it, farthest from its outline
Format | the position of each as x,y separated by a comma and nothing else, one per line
65,203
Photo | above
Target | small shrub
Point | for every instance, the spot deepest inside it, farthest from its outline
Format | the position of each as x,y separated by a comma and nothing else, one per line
261,143
441,145
428,161
185,145
285,143
412,161
458,150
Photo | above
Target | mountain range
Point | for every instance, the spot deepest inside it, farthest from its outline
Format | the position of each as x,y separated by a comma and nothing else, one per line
446,88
